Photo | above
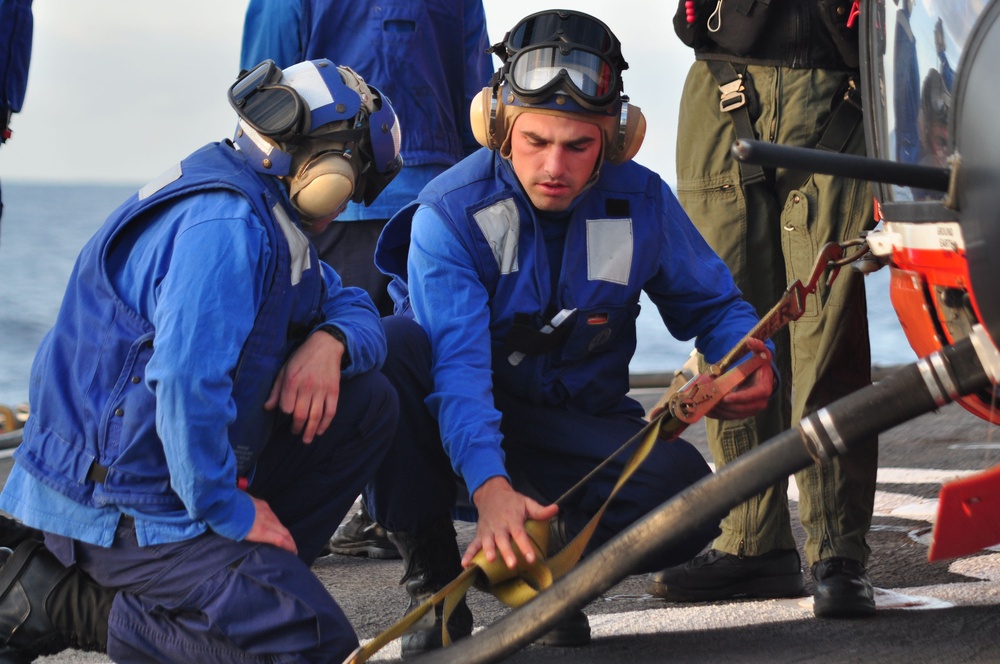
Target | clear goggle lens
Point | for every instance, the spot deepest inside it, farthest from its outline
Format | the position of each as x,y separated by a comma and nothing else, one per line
538,72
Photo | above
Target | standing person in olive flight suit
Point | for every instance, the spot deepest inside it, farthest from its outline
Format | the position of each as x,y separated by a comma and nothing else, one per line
783,71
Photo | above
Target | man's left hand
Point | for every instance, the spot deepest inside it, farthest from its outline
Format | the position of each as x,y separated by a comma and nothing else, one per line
308,385
268,529
500,527
750,397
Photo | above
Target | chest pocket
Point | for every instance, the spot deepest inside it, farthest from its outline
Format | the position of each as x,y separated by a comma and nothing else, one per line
599,330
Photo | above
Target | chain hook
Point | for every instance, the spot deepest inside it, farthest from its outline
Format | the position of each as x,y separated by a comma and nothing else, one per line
829,255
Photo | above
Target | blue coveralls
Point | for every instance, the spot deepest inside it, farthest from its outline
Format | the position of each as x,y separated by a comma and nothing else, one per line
470,255
428,57
178,316
16,24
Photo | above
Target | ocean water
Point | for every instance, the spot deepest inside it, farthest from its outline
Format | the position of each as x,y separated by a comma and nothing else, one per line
44,226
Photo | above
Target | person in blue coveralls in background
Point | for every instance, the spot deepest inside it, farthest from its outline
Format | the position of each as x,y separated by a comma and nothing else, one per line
16,25
430,57
552,227
208,404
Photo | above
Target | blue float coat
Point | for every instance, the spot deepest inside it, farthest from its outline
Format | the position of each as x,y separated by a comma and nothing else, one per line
178,316
469,254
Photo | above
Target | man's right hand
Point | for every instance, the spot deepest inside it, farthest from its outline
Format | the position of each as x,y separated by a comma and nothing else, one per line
502,513
308,385
267,529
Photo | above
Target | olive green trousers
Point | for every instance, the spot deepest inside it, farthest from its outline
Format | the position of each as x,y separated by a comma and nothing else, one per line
769,234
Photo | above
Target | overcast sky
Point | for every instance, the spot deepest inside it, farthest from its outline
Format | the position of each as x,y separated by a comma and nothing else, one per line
118,90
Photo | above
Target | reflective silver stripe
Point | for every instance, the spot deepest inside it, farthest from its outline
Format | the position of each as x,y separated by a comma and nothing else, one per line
943,375
160,181
816,448
500,225
609,250
298,243
986,350
831,430
927,373
309,84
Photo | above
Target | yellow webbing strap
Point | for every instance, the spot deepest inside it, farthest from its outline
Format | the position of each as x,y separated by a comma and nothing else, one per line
682,405
515,587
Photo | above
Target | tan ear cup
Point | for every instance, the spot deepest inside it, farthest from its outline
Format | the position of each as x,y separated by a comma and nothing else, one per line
323,186
324,195
629,139
486,117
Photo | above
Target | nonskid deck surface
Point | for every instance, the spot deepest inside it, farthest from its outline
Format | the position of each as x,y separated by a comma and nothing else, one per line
943,612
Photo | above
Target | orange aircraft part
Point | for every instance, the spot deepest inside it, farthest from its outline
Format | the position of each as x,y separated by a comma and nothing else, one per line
968,517
908,294
922,278
914,276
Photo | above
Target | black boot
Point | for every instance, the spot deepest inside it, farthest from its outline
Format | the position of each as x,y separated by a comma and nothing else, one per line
46,607
716,576
361,536
843,589
574,630
432,562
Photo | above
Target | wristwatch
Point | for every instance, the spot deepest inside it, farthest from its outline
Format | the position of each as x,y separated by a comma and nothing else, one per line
338,334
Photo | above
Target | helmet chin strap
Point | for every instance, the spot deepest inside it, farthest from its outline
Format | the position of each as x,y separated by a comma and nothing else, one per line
263,154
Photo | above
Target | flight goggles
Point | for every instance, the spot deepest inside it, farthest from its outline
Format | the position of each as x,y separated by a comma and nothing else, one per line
535,73
278,111
562,26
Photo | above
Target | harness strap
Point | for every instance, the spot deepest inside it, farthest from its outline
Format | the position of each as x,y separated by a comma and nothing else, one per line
97,473
733,101
525,338
734,91
845,118
839,128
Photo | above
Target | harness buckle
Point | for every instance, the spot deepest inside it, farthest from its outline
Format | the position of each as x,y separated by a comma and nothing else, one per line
732,95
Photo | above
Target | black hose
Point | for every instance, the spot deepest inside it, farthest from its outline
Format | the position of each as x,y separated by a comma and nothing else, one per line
845,424
813,160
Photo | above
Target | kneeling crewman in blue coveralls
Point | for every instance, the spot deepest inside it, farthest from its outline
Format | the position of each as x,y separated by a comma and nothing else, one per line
517,277
207,406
